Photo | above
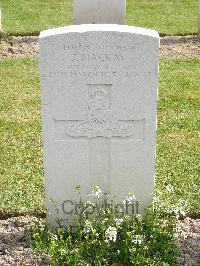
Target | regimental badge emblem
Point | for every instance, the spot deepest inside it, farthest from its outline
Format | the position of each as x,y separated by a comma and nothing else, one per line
100,122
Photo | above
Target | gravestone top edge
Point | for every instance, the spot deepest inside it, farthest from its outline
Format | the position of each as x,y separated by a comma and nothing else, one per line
99,28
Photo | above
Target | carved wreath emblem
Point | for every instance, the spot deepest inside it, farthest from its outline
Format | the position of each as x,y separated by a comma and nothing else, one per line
100,121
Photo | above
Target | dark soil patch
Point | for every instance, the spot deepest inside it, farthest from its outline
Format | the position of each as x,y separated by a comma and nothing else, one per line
14,243
180,46
190,242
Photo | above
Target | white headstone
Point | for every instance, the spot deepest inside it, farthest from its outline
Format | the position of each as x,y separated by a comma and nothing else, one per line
99,11
99,100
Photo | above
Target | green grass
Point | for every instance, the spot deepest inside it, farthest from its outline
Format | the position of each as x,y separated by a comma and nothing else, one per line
21,158
179,130
168,17
33,16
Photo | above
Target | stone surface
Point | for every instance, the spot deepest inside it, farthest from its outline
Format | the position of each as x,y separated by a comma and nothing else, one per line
99,11
99,100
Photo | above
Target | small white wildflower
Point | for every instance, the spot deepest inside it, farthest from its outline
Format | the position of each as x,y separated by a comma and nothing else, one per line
137,239
103,212
111,234
118,221
88,227
182,213
169,188
130,198
55,237
89,207
97,192
139,216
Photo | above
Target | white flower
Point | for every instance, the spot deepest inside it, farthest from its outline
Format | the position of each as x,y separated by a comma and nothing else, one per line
137,239
111,234
97,192
118,221
88,227
55,237
139,216
169,188
130,198
182,213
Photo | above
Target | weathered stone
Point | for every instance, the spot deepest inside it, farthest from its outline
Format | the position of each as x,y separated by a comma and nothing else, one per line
99,11
99,100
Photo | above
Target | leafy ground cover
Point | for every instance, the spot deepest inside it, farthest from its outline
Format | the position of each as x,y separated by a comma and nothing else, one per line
177,178
110,237
171,17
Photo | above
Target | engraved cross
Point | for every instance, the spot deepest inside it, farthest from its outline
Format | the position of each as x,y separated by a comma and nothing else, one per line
100,128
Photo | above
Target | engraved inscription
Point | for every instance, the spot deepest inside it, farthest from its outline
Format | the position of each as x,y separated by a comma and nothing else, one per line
97,57
89,74
100,121
81,47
